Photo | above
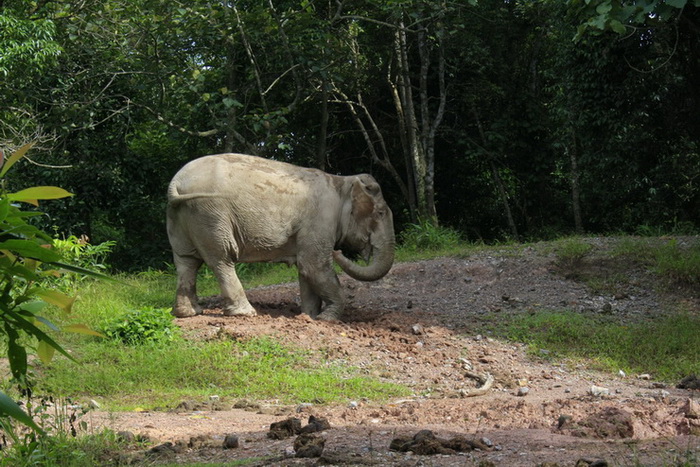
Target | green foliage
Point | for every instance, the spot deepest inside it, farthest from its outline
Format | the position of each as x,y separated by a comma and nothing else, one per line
678,263
427,236
668,347
24,254
571,252
143,326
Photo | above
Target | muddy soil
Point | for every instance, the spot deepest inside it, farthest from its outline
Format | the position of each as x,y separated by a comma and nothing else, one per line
423,326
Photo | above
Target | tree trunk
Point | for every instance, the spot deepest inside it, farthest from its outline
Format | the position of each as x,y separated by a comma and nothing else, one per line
322,146
575,187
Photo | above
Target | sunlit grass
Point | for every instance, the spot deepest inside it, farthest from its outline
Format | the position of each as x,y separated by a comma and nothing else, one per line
667,347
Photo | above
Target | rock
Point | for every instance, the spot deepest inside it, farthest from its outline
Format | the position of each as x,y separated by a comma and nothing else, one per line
316,424
523,391
417,329
692,409
591,463
230,441
164,450
689,382
285,429
563,420
202,441
309,445
93,404
598,391
644,376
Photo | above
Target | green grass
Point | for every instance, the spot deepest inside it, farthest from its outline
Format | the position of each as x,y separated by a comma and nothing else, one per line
124,377
668,347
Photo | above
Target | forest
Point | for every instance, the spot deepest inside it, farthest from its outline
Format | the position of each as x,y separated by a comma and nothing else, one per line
505,120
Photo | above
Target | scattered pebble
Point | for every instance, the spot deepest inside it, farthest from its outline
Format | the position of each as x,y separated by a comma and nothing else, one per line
599,391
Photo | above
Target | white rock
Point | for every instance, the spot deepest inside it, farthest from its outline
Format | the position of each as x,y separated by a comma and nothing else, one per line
599,391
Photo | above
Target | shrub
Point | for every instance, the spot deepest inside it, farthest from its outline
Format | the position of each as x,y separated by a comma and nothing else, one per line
426,235
146,325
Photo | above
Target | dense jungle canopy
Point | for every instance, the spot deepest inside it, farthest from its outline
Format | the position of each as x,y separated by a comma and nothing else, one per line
503,119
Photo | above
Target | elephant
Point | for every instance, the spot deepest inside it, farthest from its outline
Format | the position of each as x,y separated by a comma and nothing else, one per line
235,208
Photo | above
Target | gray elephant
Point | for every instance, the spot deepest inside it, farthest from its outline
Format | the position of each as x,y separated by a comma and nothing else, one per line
233,208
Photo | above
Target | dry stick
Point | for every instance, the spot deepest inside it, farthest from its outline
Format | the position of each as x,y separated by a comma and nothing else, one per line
486,382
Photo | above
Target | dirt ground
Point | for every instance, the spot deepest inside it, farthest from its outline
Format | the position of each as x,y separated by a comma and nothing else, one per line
417,327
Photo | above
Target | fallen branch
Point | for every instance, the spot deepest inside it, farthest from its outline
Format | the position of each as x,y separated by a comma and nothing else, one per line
486,382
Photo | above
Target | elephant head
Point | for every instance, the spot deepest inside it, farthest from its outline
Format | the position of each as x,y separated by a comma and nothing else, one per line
368,227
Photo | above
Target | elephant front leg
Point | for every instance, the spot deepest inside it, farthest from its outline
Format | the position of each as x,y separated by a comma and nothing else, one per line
318,286
310,300
235,301
186,303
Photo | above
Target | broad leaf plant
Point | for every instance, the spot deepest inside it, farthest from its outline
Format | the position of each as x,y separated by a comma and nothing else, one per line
27,259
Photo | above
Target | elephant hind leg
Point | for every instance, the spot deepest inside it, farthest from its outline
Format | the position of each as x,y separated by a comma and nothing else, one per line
235,301
186,303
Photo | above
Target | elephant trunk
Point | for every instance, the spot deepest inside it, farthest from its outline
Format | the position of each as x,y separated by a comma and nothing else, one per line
382,259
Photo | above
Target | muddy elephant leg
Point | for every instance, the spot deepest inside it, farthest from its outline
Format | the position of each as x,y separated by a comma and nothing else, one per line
321,284
235,301
186,297
310,300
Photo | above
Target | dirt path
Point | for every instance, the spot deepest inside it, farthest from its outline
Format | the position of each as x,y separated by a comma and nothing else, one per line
416,327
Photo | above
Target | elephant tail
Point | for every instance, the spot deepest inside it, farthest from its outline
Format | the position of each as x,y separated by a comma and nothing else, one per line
175,197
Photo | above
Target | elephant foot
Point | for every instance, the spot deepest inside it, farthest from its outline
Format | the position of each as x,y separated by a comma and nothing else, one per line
333,316
245,310
185,310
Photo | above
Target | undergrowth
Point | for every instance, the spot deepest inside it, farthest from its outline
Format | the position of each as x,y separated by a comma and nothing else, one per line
667,347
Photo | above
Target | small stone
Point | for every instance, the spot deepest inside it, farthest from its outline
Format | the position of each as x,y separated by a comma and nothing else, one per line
622,373
93,404
303,407
563,420
644,376
523,391
353,404
417,329
230,441
692,409
214,398
599,391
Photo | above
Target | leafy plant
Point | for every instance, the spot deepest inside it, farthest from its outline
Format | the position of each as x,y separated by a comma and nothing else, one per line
679,264
571,253
146,325
77,251
25,253
426,235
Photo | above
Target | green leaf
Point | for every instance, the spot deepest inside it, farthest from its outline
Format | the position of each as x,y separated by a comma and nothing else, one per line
33,194
11,409
17,155
55,297
87,272
82,329
676,3
32,330
618,27
45,352
30,249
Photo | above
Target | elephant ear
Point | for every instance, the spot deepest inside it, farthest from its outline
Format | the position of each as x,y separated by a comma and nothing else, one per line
364,193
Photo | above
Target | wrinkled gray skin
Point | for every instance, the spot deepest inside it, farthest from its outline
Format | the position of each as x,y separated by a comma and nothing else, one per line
233,208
